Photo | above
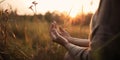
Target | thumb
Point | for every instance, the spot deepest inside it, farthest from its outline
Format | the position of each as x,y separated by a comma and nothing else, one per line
56,33
62,30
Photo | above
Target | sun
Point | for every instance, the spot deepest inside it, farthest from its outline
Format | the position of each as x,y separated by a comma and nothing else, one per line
73,12
83,6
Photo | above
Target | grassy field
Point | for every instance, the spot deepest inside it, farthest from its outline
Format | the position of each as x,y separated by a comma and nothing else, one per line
28,39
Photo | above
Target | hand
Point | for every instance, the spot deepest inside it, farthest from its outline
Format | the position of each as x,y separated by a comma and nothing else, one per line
64,33
52,28
56,36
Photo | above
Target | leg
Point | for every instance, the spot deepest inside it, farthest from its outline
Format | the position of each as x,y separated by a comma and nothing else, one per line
68,56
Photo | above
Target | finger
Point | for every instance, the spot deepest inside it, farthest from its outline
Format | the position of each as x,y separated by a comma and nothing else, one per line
55,24
53,36
55,31
58,36
51,27
62,30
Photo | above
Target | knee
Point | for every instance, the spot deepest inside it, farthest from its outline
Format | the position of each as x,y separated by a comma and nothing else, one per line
68,56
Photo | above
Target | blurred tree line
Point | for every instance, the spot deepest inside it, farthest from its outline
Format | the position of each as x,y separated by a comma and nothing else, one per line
23,36
26,37
60,18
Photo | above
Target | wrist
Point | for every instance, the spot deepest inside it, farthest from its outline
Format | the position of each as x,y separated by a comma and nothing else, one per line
67,45
69,38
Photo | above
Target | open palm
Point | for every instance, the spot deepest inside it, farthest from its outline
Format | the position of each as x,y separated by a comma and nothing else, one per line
57,36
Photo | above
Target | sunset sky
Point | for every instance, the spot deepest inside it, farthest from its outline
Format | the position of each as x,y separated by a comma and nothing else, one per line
72,6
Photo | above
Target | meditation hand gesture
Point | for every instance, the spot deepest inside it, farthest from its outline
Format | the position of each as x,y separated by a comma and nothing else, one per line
58,36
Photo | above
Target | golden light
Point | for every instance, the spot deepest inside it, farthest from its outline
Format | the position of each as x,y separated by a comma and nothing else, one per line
84,6
72,7
73,13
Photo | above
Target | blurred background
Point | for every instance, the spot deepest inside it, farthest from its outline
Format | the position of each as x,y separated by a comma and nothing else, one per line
24,26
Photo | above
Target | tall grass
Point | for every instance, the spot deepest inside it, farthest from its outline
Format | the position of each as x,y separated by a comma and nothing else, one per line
27,38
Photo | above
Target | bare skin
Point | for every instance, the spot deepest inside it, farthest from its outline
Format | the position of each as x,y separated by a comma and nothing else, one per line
63,38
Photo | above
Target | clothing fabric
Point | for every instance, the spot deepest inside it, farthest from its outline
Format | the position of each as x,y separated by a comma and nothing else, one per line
105,34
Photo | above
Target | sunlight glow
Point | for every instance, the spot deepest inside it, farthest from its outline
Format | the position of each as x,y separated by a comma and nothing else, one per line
72,7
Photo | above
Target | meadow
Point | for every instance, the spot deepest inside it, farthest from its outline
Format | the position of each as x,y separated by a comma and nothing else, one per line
27,37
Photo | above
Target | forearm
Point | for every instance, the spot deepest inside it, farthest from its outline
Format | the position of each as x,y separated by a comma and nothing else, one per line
79,42
76,52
